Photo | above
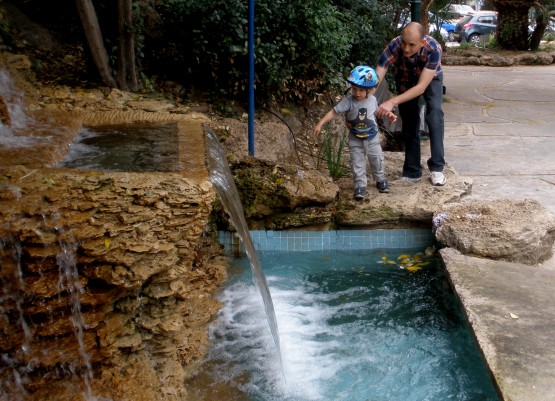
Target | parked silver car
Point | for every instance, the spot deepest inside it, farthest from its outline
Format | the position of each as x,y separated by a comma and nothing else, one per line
473,26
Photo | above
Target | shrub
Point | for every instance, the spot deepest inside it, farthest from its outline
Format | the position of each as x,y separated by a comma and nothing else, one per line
302,48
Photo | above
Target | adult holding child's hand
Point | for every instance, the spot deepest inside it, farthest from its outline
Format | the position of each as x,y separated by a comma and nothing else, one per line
416,59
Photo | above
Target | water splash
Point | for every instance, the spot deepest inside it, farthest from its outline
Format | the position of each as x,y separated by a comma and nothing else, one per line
13,287
221,178
16,369
12,99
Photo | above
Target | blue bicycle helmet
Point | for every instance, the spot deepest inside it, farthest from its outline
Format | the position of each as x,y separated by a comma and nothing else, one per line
363,76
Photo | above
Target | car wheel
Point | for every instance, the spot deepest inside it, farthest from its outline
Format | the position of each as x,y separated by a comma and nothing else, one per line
451,36
474,39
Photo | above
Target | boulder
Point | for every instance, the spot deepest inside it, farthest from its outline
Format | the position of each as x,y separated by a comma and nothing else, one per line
278,196
410,203
500,229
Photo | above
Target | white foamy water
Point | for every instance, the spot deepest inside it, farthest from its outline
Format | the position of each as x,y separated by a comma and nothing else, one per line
13,99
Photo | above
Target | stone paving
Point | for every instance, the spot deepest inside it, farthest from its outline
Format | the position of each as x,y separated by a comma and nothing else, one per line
500,131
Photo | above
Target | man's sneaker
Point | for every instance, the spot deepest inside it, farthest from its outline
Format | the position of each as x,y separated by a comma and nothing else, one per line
409,179
382,186
359,193
437,177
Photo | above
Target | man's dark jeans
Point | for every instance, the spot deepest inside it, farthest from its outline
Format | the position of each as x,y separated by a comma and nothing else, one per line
410,115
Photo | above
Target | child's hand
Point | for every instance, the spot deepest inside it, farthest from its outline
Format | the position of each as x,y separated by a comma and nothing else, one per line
316,130
392,116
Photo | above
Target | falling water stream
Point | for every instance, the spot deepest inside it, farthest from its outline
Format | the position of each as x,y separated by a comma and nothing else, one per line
12,98
69,282
221,178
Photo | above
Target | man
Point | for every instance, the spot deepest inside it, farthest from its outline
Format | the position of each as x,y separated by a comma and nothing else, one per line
416,58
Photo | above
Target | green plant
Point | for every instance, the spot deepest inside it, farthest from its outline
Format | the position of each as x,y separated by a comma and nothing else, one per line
302,47
148,84
333,152
492,43
223,108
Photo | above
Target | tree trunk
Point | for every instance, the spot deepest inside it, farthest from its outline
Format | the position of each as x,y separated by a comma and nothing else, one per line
127,73
122,60
424,19
512,24
539,30
93,34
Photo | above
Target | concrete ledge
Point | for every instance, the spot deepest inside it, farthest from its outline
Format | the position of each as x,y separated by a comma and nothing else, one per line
509,308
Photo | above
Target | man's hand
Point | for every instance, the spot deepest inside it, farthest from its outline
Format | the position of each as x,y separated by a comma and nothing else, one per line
384,110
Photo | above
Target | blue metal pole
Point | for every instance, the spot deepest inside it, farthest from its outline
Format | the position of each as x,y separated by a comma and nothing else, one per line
251,78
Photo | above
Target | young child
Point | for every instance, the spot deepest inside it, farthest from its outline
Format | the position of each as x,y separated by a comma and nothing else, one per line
359,108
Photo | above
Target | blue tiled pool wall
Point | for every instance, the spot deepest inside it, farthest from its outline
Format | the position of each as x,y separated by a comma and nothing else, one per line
304,241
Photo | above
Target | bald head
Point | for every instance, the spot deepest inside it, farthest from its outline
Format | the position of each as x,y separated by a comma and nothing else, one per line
412,39
414,28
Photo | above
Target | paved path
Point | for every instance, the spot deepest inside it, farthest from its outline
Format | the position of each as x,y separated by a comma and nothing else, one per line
500,130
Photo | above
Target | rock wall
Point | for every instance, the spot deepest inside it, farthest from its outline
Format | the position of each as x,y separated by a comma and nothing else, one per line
106,278
118,254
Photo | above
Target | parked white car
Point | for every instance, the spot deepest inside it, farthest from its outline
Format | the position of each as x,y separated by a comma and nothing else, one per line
456,11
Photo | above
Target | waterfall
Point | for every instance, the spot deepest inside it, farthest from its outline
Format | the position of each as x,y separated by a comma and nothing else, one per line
221,178
12,114
69,281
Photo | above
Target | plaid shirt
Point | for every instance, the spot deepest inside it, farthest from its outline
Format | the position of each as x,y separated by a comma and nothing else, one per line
408,69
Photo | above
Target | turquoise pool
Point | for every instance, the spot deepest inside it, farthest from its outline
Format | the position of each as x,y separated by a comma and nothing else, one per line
375,322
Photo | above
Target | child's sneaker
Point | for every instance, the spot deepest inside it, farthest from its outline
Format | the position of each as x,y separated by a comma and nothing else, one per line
438,178
382,186
359,193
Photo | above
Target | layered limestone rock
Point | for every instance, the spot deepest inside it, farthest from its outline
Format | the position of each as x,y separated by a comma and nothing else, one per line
105,269
501,229
406,204
107,278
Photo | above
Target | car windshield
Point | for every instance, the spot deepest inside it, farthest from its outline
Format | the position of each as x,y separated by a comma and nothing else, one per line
464,20
464,8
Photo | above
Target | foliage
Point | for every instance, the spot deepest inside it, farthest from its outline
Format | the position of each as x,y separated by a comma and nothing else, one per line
302,48
334,152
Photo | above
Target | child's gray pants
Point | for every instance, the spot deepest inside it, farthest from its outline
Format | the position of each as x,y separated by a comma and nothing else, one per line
360,149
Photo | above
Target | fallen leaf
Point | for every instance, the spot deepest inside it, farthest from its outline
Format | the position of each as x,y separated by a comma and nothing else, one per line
513,315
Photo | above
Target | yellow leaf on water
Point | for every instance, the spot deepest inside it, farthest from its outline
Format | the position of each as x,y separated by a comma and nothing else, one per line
414,268
403,256
384,257
107,243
